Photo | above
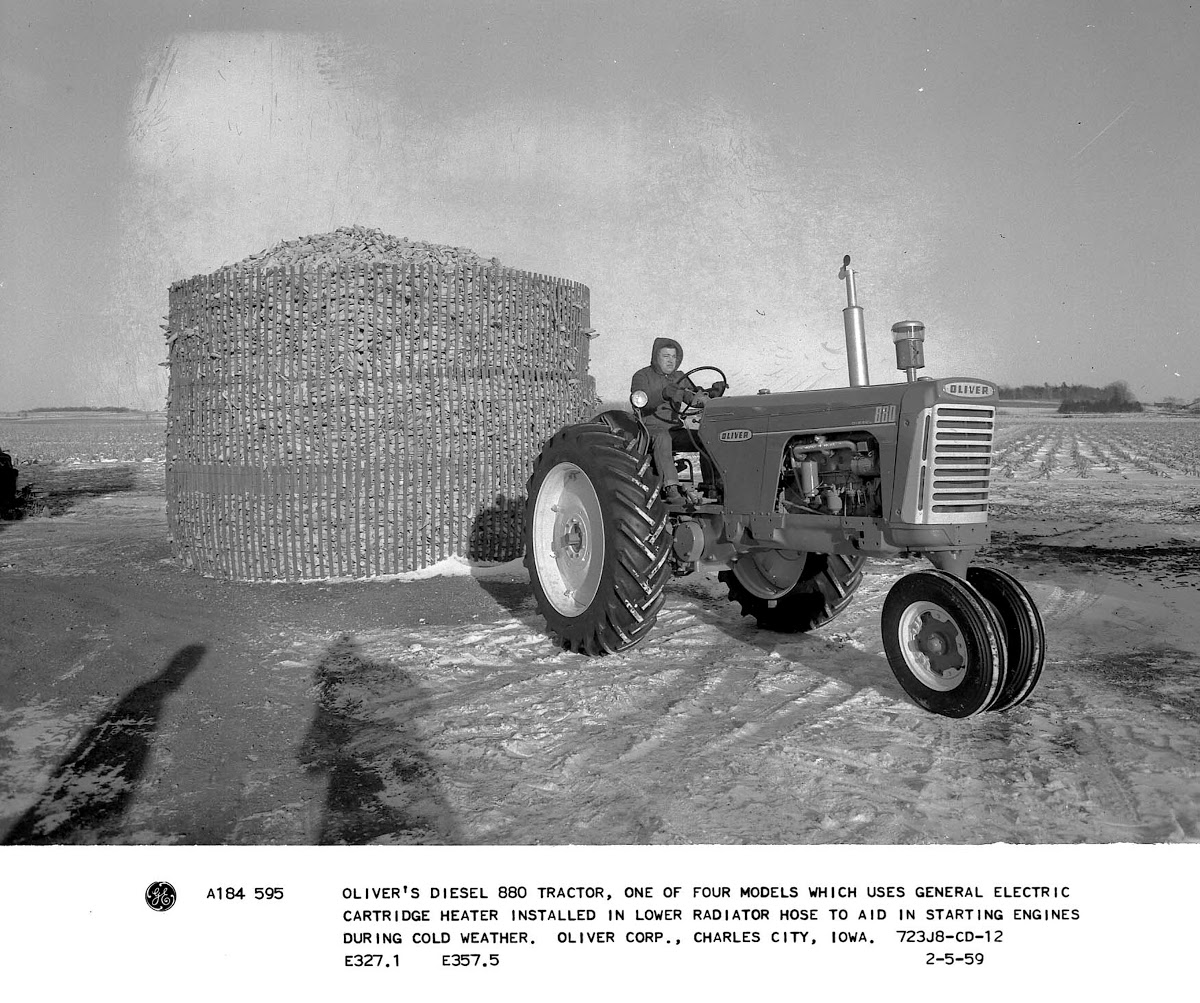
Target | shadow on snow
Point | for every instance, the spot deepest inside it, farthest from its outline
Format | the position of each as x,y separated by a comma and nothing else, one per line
89,792
381,787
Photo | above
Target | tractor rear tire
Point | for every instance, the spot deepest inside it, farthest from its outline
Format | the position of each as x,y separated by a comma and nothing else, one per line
825,587
596,539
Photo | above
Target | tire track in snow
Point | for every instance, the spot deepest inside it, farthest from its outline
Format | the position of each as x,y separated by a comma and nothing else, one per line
1058,605
713,730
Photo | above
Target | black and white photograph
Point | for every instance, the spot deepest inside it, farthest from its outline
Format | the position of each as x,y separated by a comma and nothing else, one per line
711,479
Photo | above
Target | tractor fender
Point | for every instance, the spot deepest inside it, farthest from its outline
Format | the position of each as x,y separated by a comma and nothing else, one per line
626,425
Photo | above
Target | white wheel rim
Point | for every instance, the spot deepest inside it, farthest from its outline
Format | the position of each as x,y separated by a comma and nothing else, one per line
568,539
933,646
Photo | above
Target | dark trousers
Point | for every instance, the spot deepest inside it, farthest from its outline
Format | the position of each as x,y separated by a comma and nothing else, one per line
660,448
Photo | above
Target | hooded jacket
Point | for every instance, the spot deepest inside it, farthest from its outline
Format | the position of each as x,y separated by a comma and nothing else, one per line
654,381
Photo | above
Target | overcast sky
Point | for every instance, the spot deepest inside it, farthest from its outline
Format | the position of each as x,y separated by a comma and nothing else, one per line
1020,176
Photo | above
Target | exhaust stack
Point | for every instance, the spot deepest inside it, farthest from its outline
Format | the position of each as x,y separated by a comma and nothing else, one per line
856,338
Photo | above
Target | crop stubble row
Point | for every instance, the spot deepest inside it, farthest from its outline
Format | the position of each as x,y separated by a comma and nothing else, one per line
1163,448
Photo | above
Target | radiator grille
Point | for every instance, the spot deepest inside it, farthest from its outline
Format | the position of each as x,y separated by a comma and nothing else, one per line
961,461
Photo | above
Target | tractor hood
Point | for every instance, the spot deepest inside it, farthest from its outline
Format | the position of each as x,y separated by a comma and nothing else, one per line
878,398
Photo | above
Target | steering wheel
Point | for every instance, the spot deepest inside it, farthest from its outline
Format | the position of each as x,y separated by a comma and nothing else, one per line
687,410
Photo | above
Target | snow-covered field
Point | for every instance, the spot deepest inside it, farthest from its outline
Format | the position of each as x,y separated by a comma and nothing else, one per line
714,731
438,710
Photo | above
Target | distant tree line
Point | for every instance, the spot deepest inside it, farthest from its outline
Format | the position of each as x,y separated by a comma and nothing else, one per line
1106,400
1117,394
1076,398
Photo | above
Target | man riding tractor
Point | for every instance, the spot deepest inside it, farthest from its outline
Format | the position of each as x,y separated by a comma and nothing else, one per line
668,390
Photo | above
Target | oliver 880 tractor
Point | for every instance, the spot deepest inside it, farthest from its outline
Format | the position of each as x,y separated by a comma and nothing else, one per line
796,490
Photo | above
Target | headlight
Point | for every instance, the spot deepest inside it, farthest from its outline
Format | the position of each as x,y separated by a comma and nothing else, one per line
638,398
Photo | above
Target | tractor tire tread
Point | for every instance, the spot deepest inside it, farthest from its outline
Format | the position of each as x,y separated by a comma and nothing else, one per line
630,592
825,589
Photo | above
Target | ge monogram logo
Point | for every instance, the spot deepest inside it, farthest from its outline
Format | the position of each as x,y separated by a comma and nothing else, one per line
160,896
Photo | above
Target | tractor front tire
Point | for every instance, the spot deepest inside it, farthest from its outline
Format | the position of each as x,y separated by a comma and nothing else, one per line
1024,633
824,587
596,539
945,643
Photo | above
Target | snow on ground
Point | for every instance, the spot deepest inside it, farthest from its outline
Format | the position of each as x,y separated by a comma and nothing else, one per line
439,710
714,731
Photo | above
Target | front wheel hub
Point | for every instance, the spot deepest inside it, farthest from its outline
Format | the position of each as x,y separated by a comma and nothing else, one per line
933,646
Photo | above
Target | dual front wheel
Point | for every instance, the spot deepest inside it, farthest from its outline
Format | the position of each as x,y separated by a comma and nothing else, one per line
963,647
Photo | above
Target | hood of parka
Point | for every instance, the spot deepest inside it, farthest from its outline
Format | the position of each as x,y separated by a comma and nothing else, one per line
666,343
